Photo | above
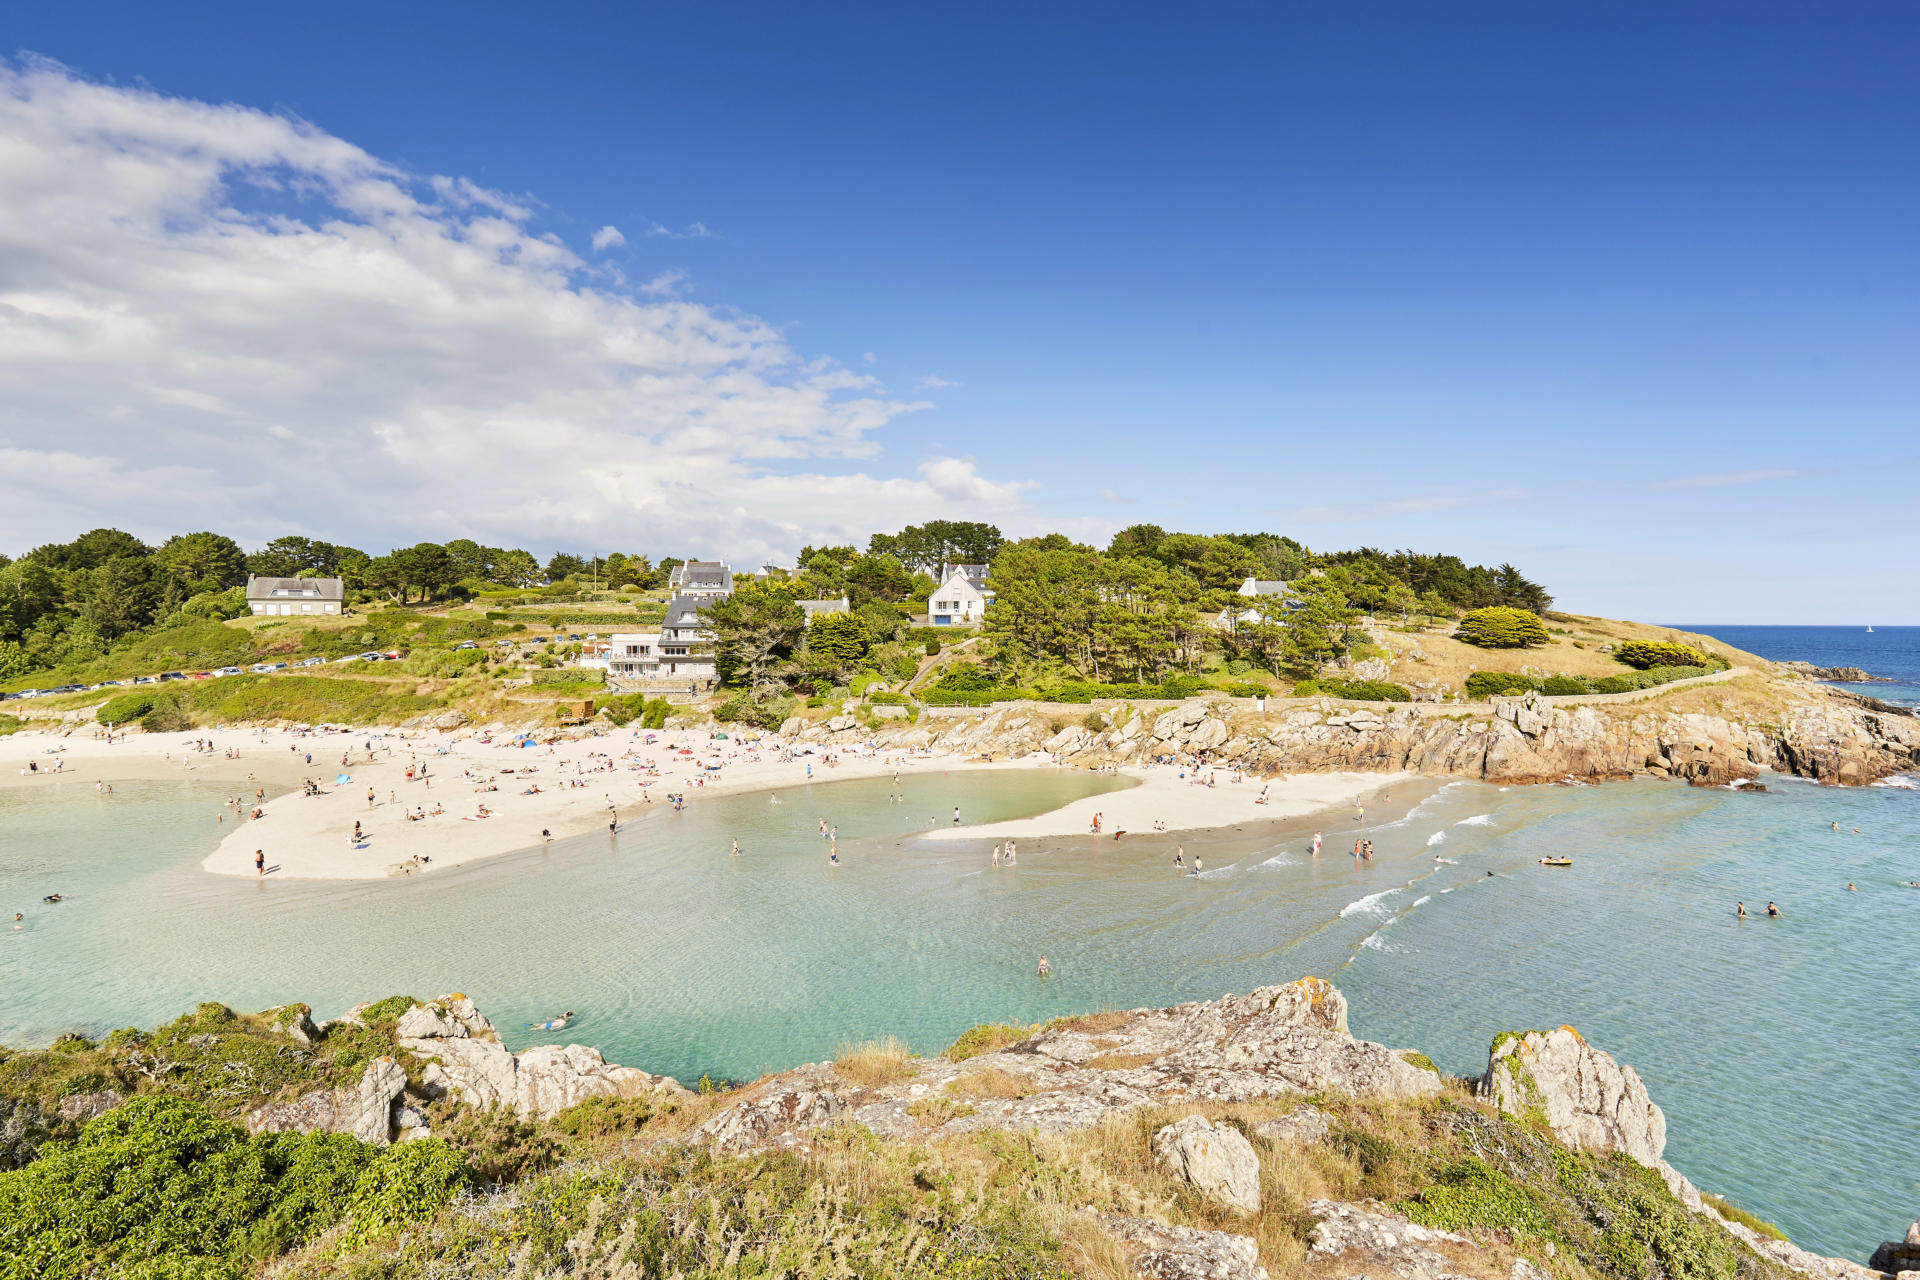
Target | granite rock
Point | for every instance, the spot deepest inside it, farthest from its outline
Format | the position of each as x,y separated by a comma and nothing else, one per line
1215,1160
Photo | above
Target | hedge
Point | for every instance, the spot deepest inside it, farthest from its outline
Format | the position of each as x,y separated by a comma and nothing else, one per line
1655,653
1500,627
567,675
1486,684
1355,690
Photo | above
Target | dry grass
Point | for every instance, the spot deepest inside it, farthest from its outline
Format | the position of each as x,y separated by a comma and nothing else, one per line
1092,1024
1575,649
991,1082
986,1038
1123,1061
875,1063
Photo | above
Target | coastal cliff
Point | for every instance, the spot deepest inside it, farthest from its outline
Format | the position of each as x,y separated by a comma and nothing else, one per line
1729,732
1245,1138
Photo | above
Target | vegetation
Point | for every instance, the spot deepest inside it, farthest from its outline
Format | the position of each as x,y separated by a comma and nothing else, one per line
651,712
1501,627
1357,690
1649,653
1487,684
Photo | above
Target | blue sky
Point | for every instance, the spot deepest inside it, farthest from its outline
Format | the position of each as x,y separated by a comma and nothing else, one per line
1624,294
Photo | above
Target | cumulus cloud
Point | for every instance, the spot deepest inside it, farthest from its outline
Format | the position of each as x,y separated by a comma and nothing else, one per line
607,237
934,382
213,316
665,285
694,231
1727,479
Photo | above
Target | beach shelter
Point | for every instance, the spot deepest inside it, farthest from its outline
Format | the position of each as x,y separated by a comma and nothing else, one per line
344,778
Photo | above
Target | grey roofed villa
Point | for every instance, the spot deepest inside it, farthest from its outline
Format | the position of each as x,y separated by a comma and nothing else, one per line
286,596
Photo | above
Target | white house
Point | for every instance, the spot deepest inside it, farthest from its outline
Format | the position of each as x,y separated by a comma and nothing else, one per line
283,597
1237,616
701,578
960,600
814,608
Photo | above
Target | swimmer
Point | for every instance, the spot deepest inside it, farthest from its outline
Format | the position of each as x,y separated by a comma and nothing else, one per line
736,848
1740,908
1196,864
1045,968
1179,855
1773,911
1850,888
833,854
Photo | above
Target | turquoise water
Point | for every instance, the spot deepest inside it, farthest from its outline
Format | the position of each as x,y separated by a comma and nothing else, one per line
1786,1053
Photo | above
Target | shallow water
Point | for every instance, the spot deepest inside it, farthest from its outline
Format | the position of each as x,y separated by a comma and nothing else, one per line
1786,1053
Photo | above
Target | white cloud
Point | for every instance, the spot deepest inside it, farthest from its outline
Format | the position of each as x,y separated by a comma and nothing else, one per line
665,285
694,231
1113,498
934,382
870,358
1727,479
607,237
212,316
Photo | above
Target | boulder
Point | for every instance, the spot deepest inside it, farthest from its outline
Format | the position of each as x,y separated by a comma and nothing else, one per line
451,719
1159,1252
1309,1126
466,1058
773,1119
1590,1102
1395,1243
1215,1160
82,1107
365,1110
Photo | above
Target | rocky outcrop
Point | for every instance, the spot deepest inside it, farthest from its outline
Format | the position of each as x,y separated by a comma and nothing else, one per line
1377,1238
1273,1041
1589,1101
1821,734
1842,675
366,1110
1215,1160
1157,1251
1896,1256
1308,1126
465,1057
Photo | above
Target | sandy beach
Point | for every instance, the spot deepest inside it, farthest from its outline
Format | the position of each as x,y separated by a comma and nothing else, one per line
1172,798
426,801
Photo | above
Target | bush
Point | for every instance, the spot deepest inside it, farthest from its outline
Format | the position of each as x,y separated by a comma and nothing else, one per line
162,1182
1247,689
1486,684
652,713
1650,653
1559,685
127,707
933,648
604,1117
742,709
1356,690
1500,627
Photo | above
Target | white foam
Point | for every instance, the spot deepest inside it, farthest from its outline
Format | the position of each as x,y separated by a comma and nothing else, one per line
1371,903
1420,902
1277,860
1477,820
1901,781
1452,862
1217,871
1438,837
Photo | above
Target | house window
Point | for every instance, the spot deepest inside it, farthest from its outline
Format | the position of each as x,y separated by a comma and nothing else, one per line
306,608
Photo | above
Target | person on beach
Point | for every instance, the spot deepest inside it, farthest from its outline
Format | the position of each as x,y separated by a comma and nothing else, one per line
956,815
1316,844
546,836
369,797
356,837
260,862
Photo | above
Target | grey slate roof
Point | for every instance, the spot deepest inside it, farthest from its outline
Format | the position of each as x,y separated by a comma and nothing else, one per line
295,588
813,607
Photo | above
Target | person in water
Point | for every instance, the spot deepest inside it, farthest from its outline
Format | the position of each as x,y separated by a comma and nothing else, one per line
1850,888
736,847
260,862
1740,910
1773,911
1045,968
1196,864
1179,855
833,854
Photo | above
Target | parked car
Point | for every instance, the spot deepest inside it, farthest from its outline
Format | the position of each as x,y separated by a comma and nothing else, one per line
310,662
199,675
146,680
504,644
226,671
110,684
393,655
573,637
173,675
372,655
352,657
263,667
465,644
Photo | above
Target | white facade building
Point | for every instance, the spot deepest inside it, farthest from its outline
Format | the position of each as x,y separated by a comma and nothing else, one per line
960,600
286,597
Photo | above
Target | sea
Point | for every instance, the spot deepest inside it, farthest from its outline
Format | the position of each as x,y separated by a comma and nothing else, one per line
1785,1052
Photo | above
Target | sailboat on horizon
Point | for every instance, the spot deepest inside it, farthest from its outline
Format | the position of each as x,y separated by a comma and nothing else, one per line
1869,630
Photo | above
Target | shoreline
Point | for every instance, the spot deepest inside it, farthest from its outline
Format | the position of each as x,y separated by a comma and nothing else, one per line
582,784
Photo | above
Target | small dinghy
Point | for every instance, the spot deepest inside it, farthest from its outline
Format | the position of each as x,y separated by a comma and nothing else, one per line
1556,862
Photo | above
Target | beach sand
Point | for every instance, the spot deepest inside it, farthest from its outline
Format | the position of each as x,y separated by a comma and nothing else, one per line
1164,796
583,785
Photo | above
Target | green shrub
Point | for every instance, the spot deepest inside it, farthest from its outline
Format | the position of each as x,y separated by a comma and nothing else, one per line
127,707
1473,1194
985,1038
583,676
162,1183
1500,627
742,709
1486,684
604,1117
933,648
1560,685
1653,653
1357,690
1247,689
884,699
498,1145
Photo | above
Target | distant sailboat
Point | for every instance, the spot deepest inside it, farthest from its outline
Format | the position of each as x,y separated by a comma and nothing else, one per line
1869,630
